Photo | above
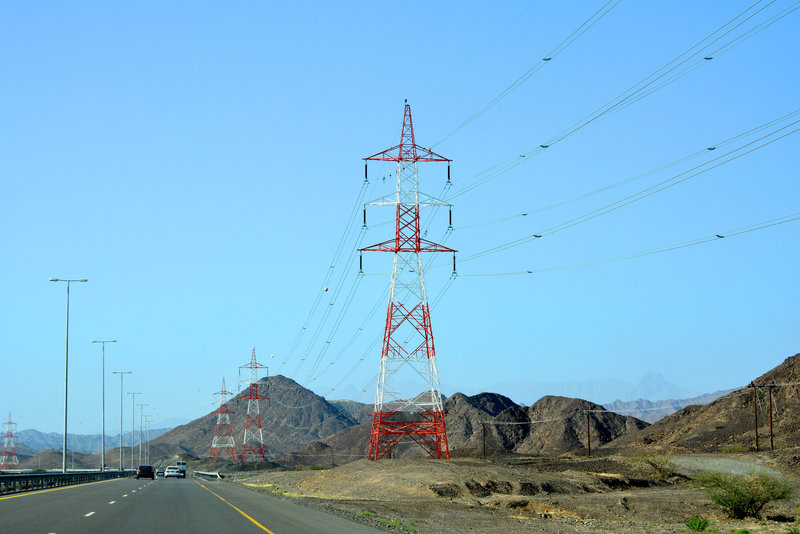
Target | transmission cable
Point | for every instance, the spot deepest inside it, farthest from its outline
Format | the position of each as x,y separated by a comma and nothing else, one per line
704,151
640,195
571,38
665,248
632,92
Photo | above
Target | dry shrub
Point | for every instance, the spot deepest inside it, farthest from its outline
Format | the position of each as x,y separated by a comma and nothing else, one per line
660,463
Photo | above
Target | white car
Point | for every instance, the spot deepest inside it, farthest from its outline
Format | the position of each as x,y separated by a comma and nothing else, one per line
172,471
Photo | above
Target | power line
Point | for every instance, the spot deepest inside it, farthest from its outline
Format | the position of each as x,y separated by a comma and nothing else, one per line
642,194
631,95
666,248
704,151
571,38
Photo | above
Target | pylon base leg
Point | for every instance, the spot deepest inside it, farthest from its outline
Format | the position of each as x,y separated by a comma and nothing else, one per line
427,430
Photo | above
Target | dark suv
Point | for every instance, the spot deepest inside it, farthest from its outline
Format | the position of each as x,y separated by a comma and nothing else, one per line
145,471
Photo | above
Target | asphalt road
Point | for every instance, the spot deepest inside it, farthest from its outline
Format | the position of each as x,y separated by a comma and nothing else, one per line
174,506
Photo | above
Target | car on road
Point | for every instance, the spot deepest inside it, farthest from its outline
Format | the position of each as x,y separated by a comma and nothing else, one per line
145,471
160,472
172,471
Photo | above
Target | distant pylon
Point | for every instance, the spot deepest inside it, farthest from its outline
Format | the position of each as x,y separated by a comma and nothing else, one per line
223,432
253,442
408,336
8,459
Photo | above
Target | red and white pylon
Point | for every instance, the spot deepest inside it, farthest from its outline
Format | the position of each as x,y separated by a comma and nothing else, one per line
8,458
223,432
253,442
408,336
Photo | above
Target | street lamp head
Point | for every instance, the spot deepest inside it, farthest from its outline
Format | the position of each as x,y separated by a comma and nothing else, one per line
103,341
53,279
83,280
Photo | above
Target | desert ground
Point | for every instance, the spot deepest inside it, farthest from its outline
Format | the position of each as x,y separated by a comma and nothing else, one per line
608,492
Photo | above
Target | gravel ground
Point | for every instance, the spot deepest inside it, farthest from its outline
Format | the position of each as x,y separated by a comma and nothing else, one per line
520,495
701,463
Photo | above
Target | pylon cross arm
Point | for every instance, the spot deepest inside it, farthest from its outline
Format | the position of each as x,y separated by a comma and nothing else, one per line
402,152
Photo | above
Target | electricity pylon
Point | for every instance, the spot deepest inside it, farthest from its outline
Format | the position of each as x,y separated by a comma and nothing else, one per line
253,442
223,432
408,335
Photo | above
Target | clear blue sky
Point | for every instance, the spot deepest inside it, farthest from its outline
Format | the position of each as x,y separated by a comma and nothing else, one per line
199,163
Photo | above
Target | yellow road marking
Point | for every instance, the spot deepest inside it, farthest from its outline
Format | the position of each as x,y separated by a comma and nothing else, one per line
27,493
259,525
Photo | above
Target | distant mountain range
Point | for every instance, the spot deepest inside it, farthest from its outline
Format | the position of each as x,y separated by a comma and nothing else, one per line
88,444
652,411
652,387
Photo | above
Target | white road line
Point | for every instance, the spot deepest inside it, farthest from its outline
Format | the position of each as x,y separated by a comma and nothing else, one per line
112,502
124,495
89,514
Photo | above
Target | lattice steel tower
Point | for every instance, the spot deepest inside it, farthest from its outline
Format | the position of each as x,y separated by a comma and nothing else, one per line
8,459
253,442
408,336
223,432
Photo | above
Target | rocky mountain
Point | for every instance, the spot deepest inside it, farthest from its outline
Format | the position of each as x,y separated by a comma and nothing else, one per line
552,425
728,422
350,407
652,411
291,418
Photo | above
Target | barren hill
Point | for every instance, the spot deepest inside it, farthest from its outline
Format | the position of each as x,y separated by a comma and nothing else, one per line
552,425
728,422
292,418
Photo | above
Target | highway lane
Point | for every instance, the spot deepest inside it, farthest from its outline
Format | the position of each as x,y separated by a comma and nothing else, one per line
130,506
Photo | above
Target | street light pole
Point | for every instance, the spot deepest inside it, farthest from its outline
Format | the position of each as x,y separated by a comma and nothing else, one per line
133,420
66,373
103,404
121,448
147,438
141,421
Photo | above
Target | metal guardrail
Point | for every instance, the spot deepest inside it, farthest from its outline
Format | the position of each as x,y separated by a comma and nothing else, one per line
17,483
207,474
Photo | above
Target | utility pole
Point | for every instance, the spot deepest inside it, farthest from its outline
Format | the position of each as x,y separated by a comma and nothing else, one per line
483,426
397,417
133,422
771,443
755,411
588,437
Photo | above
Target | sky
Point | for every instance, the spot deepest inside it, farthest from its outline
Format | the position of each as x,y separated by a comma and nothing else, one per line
201,165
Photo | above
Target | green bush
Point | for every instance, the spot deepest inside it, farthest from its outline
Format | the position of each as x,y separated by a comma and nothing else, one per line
742,496
317,467
696,524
